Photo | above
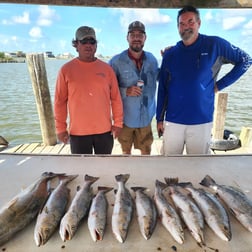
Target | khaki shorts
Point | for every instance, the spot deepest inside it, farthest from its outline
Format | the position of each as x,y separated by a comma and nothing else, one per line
141,138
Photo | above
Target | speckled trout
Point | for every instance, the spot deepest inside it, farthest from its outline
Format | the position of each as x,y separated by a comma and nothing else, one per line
236,200
97,217
123,209
78,209
24,207
213,211
168,215
52,212
146,212
188,210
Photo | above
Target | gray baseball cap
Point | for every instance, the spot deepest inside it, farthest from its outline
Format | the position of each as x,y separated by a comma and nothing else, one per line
85,32
136,26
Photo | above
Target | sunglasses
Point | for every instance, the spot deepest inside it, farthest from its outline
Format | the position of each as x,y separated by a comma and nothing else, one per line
85,41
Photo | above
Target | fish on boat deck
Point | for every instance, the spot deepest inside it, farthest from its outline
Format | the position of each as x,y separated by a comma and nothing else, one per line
187,208
78,209
213,211
170,219
97,217
146,212
52,212
24,207
237,201
123,209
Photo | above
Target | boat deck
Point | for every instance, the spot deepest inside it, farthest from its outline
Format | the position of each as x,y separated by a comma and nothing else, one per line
18,171
64,149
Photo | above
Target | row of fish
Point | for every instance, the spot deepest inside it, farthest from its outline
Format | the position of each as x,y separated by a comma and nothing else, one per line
176,204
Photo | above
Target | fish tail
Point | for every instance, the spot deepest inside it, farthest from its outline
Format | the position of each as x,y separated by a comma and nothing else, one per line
91,179
122,178
171,181
50,175
138,188
160,184
185,184
105,189
47,177
207,181
67,178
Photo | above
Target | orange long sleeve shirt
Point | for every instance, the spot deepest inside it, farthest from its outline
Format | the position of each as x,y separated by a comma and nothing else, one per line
88,93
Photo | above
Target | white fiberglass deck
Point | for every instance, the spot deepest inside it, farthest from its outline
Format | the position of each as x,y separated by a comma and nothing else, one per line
17,171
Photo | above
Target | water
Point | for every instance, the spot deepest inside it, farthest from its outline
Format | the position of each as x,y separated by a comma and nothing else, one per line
19,121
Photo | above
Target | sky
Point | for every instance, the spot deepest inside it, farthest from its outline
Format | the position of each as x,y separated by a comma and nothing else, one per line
40,28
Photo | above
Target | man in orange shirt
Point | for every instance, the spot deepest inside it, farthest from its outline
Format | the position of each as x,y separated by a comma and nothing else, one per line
87,91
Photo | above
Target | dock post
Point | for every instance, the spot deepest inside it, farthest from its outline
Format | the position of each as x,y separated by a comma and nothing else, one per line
220,109
36,66
246,136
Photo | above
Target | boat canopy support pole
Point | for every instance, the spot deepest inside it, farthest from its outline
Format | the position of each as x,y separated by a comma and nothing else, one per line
36,66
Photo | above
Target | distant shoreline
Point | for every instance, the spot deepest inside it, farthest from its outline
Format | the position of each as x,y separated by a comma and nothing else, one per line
23,59
12,61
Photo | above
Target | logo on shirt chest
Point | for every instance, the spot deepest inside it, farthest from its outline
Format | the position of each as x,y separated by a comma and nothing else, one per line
101,75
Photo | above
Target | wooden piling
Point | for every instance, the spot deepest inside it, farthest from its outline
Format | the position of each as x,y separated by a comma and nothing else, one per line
220,109
246,136
36,66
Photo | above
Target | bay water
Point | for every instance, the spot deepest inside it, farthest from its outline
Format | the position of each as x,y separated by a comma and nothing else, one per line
19,121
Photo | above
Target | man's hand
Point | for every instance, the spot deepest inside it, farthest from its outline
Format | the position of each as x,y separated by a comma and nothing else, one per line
163,51
160,129
63,137
115,131
133,91
216,89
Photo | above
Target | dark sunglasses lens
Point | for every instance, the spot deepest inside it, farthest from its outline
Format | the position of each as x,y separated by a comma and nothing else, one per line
88,41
